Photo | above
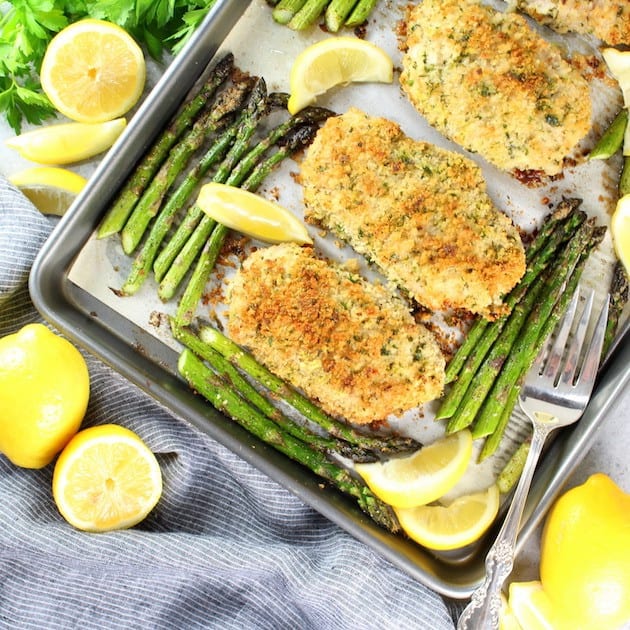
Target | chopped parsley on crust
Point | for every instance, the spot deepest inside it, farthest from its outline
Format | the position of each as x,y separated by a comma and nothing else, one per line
489,82
421,214
350,345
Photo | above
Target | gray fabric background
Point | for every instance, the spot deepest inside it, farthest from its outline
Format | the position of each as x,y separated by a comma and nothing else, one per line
226,547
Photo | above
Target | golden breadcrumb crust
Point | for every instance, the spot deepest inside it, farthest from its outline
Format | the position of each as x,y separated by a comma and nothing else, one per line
608,20
420,213
350,345
489,82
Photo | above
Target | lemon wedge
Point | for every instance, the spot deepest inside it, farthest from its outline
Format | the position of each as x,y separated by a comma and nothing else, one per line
93,71
444,527
67,143
618,63
422,477
336,61
620,230
251,214
106,478
507,618
531,607
51,189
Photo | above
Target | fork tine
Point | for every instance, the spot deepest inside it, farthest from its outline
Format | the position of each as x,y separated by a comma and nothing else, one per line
575,350
592,358
554,358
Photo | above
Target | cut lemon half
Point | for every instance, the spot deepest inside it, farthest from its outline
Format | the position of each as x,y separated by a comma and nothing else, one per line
336,61
67,143
444,527
620,230
531,607
51,189
106,478
251,214
93,71
422,477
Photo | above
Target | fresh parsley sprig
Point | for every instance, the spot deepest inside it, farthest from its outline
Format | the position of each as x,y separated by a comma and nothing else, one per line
27,26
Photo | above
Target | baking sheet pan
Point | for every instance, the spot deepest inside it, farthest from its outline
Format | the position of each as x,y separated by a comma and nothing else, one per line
73,277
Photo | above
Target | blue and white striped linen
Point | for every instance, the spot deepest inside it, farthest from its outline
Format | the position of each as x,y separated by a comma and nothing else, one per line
226,547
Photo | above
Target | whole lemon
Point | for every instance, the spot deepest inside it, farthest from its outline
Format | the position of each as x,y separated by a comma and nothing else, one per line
585,555
44,392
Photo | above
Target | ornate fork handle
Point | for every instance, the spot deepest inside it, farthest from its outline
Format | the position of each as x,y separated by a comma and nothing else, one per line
482,613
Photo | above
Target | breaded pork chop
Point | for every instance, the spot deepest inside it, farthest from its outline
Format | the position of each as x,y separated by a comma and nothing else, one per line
420,213
608,20
487,81
351,345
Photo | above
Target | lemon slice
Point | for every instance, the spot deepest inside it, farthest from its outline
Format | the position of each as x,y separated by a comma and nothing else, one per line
531,607
251,214
422,477
336,61
93,71
460,523
51,189
106,478
66,143
507,618
620,230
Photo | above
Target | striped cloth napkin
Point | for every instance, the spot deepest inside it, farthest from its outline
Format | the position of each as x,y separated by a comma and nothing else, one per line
226,547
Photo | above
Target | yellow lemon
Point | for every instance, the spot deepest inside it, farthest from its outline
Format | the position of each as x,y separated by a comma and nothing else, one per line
332,62
51,189
106,478
93,71
251,214
44,392
620,230
445,527
618,63
585,555
66,143
531,607
507,618
423,476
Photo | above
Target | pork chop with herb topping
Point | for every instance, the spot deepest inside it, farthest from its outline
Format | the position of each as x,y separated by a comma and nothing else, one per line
489,82
352,346
420,213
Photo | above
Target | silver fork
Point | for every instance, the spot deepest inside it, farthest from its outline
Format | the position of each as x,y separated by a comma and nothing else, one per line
553,395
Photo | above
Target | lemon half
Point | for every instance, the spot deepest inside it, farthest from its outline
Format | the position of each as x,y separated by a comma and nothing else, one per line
93,71
620,230
106,478
422,477
251,214
336,61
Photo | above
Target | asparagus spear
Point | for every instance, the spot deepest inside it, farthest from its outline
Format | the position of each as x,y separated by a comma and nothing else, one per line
175,259
337,12
509,344
308,14
540,323
512,470
235,379
210,386
151,200
500,416
207,259
361,12
624,178
286,9
476,332
389,445
116,217
612,139
544,248
141,265
618,300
